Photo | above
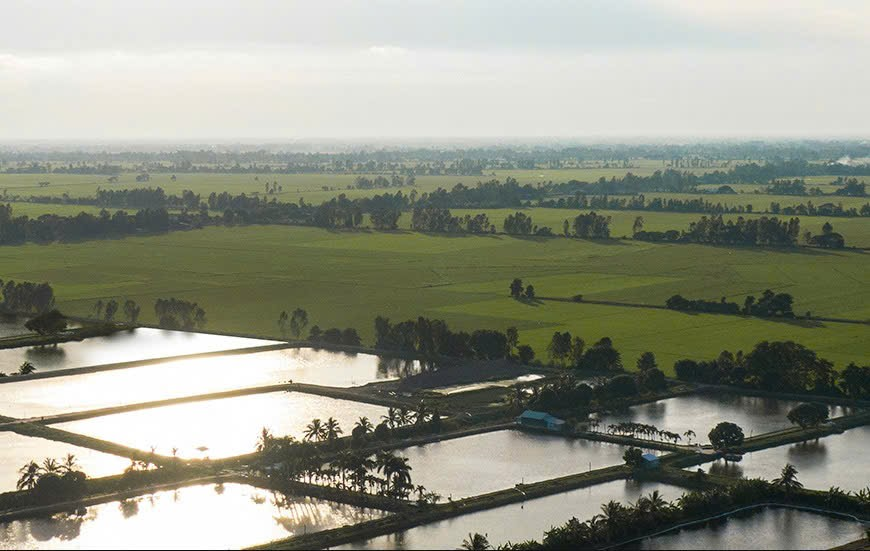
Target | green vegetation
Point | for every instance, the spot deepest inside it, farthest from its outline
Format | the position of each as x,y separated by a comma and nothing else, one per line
245,276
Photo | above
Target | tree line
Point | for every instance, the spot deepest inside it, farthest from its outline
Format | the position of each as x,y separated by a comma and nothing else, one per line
779,367
51,227
769,305
618,522
25,297
432,338
715,230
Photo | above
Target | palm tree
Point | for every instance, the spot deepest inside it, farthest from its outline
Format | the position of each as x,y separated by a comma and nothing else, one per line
404,417
69,464
476,542
263,442
50,466
26,368
364,425
401,476
391,417
611,514
384,464
689,434
30,474
331,430
314,431
788,479
422,413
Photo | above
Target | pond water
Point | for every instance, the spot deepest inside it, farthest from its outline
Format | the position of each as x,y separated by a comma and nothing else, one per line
702,412
768,528
502,383
222,428
41,397
12,327
822,463
17,450
124,346
484,463
223,516
519,521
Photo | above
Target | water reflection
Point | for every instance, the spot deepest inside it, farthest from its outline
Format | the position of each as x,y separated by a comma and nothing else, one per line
197,376
193,517
16,450
822,463
221,428
701,412
519,521
769,528
484,463
124,346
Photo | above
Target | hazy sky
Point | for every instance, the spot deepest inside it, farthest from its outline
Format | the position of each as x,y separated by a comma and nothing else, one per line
281,70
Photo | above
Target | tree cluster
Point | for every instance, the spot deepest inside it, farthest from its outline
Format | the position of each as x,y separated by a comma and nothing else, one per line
173,313
26,297
778,366
432,338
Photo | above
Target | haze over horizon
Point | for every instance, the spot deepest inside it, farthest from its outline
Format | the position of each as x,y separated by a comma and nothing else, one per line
267,71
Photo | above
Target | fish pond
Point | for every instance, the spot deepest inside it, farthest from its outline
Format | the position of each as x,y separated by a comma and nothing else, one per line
763,528
483,463
224,427
701,412
222,516
123,346
16,450
177,378
519,522
821,463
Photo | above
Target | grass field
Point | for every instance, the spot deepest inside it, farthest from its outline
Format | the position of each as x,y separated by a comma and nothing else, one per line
245,276
310,187
855,230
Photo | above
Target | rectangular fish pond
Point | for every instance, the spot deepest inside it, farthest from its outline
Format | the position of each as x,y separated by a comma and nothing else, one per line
123,346
701,412
519,522
836,460
224,427
482,463
177,378
16,450
761,528
212,516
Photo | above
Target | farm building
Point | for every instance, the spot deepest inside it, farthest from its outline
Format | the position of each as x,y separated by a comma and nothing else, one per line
540,420
650,461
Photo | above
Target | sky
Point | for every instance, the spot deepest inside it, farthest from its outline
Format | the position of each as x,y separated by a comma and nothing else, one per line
286,70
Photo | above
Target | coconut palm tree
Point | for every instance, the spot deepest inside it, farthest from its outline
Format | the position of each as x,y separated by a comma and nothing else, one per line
476,542
689,434
404,417
401,476
314,431
331,430
422,414
69,464
788,479
50,466
364,425
30,474
26,368
611,515
391,417
264,442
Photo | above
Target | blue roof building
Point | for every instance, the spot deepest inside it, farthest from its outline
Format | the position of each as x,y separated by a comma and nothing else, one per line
540,420
649,460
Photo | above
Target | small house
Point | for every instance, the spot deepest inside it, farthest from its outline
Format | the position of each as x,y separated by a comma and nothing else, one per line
540,420
649,461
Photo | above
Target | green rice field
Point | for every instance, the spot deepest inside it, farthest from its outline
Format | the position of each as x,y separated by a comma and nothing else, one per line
244,276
